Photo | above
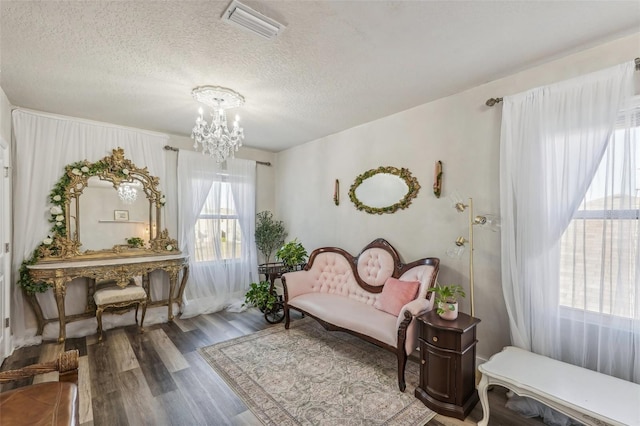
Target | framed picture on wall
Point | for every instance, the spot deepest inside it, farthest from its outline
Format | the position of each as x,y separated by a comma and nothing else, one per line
121,215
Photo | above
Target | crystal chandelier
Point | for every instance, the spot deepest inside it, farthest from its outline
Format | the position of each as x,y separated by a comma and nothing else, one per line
215,137
127,193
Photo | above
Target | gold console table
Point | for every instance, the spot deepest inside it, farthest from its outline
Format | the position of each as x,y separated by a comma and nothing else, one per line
122,270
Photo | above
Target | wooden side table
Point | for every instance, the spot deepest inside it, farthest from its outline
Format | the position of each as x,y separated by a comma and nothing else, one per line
448,364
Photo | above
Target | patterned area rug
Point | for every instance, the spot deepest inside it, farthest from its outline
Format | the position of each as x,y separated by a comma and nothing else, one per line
309,376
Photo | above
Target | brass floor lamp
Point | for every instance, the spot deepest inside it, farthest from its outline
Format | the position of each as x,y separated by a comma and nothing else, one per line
491,222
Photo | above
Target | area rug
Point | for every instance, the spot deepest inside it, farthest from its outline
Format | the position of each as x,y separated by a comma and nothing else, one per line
309,376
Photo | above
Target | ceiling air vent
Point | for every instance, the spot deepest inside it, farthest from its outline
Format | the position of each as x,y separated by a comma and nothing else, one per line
243,16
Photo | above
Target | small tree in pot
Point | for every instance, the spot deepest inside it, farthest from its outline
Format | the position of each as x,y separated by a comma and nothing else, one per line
269,234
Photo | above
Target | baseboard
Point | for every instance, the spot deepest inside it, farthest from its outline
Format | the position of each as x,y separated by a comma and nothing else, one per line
479,361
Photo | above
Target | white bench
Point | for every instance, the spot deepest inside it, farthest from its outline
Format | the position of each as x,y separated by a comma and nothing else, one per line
589,397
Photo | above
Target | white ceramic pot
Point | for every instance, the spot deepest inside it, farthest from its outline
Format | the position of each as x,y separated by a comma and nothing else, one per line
450,311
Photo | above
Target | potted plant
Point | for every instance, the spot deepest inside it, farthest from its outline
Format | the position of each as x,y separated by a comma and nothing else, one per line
446,300
292,254
135,242
269,234
260,296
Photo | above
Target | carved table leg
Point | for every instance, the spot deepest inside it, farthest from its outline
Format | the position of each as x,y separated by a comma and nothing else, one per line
183,284
37,310
60,291
91,290
484,400
99,310
173,280
146,286
144,312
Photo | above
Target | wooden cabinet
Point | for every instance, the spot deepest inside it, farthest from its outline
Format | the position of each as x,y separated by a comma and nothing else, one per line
448,364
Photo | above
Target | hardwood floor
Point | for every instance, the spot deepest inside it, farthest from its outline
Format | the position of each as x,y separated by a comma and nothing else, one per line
158,378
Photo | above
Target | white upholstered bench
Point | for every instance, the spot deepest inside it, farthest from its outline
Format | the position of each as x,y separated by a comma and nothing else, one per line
589,397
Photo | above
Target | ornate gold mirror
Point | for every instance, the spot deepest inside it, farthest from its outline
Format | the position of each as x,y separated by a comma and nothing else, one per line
384,190
109,208
109,217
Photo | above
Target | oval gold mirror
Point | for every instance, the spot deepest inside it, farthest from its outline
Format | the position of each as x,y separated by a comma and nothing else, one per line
384,190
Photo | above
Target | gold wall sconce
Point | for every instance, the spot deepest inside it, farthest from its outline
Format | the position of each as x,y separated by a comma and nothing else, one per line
437,179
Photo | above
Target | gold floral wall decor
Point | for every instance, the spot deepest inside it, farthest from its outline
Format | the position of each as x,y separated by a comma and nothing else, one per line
384,190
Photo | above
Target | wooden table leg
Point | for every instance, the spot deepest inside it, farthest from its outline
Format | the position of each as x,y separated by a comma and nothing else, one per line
37,310
60,291
173,280
91,290
146,286
183,284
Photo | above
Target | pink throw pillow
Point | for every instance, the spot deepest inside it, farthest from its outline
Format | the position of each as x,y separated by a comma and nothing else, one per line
395,294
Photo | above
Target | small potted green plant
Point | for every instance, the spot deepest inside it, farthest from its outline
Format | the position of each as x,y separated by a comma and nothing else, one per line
446,300
135,242
259,296
292,254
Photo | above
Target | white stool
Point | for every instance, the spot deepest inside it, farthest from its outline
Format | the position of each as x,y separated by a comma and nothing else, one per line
115,298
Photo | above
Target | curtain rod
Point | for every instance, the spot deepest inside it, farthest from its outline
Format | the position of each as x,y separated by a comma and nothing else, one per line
492,101
171,148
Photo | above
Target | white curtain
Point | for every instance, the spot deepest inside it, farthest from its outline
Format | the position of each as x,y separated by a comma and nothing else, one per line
44,144
552,144
218,276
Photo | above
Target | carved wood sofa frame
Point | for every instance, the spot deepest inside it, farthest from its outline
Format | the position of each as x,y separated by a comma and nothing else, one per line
66,365
398,270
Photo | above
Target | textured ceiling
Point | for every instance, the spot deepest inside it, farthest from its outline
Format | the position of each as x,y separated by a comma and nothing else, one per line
338,64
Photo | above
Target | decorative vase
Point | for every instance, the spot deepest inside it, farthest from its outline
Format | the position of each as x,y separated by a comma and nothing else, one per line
450,311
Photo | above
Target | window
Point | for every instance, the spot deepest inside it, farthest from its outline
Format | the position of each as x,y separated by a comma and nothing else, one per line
218,235
599,249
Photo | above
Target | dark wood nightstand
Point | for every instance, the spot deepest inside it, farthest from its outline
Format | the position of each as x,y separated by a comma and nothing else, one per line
448,364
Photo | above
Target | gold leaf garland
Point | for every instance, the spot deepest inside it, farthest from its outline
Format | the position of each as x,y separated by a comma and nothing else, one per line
402,173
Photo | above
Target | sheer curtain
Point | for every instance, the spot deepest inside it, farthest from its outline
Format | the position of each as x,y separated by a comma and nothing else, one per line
552,144
44,144
217,225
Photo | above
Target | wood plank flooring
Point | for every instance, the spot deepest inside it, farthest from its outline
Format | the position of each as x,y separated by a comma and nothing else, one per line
158,378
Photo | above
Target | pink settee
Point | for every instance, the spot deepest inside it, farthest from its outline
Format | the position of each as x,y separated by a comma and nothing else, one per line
373,296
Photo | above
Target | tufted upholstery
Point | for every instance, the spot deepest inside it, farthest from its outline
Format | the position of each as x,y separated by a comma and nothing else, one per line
421,273
117,294
340,291
332,273
114,297
375,266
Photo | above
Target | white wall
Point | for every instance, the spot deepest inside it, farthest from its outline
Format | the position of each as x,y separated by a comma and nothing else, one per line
458,130
5,117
